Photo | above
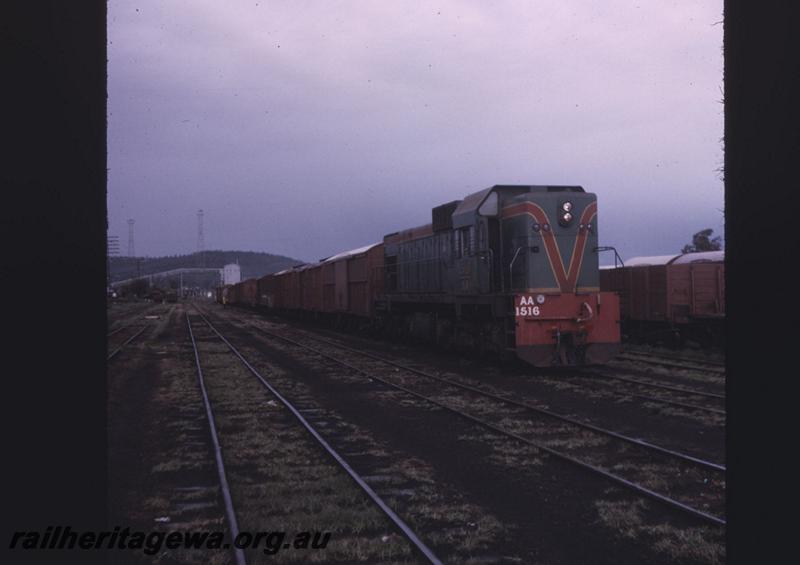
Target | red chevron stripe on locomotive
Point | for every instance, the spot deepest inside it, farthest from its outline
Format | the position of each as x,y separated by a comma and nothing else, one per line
566,279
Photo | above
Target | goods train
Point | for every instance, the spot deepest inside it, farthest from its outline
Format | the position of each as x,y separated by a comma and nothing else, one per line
671,298
511,269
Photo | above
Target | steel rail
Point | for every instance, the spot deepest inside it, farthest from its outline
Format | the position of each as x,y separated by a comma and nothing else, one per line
109,334
407,532
530,407
559,455
223,480
715,368
662,386
136,314
672,358
663,400
126,342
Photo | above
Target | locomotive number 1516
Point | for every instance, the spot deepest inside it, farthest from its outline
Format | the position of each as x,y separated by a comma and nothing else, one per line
528,306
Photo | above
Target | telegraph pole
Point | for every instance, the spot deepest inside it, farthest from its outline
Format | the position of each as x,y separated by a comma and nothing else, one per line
131,251
112,250
200,239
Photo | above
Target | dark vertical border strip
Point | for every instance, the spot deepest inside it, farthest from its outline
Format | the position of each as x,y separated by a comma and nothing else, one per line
54,223
762,141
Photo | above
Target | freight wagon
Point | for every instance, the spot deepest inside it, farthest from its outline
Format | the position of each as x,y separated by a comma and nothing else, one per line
671,297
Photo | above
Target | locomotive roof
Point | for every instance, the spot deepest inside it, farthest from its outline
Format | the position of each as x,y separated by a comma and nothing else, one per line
465,212
409,234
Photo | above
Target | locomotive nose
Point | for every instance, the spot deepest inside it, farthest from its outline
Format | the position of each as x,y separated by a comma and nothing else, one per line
567,329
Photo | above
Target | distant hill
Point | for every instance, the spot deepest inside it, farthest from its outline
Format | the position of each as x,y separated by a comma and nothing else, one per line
252,263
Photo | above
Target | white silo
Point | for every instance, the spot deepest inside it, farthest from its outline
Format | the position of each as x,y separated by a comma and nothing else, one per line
231,274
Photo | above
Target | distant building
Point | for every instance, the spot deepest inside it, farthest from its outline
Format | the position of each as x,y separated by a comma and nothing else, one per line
231,274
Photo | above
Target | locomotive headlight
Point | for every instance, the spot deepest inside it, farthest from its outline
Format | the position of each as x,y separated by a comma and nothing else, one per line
540,298
565,214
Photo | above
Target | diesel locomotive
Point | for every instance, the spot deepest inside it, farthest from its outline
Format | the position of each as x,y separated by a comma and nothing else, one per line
511,269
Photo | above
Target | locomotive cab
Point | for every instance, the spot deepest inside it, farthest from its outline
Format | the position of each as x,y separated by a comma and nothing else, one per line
502,234
549,240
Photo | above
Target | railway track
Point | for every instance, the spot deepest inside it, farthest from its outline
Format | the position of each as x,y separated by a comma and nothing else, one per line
134,331
230,512
676,395
670,419
587,448
527,406
702,366
423,551
116,331
702,383
159,447
134,324
686,398
680,395
125,318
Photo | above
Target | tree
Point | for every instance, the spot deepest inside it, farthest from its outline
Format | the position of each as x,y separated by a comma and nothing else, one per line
139,287
702,241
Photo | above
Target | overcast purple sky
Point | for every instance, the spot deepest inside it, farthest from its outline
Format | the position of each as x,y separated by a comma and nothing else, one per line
308,128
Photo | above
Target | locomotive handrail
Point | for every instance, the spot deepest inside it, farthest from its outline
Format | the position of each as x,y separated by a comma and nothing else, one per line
511,269
482,255
579,319
610,248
